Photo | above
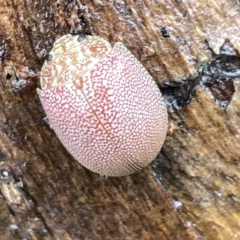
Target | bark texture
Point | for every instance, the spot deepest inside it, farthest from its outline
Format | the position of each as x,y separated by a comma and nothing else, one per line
191,191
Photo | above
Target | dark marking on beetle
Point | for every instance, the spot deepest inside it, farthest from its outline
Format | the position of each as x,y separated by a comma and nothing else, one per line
81,38
49,57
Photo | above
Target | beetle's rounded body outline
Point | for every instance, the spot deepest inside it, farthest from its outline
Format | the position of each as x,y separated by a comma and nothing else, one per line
110,116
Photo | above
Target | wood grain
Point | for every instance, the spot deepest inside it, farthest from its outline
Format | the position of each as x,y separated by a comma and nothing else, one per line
189,192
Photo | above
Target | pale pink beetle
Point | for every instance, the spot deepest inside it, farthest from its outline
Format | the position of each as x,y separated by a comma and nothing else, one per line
103,105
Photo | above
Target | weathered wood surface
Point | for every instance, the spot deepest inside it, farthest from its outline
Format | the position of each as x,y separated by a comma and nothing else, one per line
190,192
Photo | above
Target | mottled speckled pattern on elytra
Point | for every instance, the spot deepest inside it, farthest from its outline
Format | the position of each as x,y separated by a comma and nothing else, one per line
112,119
78,56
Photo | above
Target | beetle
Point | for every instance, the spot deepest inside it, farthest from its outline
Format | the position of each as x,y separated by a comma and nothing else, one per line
103,105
